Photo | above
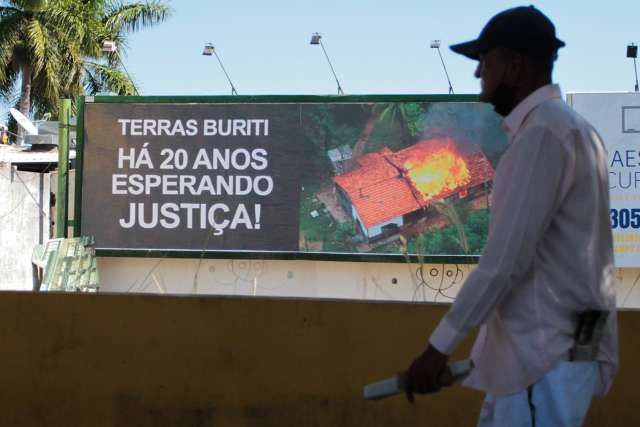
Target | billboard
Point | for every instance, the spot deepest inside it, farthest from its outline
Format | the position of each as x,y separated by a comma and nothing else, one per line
616,117
370,177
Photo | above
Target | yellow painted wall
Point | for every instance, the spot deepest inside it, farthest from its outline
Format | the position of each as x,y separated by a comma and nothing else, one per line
144,360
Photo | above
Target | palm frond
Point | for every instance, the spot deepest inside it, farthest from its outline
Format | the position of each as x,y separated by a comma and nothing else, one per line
92,83
68,27
114,80
132,17
30,5
8,11
8,86
10,37
36,44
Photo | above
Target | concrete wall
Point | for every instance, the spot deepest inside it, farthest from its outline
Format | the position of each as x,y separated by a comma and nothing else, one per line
308,279
24,223
144,360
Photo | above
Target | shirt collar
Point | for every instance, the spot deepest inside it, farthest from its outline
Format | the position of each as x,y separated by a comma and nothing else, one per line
514,120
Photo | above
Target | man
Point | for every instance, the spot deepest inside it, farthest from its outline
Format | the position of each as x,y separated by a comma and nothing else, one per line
548,257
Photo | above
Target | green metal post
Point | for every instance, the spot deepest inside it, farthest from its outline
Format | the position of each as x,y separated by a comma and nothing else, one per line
63,168
77,212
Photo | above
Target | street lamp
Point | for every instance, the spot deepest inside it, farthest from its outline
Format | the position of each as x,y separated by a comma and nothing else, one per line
210,50
316,38
110,46
632,52
435,44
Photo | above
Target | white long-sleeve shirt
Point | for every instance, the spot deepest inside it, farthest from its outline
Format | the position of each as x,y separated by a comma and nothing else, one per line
549,253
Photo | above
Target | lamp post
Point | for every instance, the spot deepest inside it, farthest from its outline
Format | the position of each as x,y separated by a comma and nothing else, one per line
632,52
435,44
210,50
316,39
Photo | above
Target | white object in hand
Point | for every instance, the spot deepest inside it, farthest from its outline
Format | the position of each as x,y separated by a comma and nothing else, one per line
395,385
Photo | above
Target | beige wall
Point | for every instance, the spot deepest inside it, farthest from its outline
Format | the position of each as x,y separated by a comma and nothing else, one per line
308,279
24,223
144,360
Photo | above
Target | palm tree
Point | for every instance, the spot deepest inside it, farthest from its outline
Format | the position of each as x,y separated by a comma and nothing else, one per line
54,48
403,115
114,20
361,143
26,51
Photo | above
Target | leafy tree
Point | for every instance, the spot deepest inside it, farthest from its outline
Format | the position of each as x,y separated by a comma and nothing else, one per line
54,48
326,126
476,229
406,116
361,142
447,240
449,211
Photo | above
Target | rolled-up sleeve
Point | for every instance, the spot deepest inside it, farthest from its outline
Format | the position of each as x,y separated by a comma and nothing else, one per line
526,195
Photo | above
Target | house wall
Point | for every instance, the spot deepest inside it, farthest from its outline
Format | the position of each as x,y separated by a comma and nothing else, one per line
356,217
24,223
376,229
343,199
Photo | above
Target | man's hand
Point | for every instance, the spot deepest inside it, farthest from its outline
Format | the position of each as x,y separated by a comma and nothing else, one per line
427,373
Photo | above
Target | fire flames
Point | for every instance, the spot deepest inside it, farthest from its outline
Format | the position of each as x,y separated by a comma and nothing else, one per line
437,171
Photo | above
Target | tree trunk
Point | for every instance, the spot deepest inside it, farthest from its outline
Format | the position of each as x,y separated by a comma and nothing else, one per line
25,95
361,143
404,131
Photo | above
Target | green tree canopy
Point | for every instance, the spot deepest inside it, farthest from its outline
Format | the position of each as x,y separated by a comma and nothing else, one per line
53,49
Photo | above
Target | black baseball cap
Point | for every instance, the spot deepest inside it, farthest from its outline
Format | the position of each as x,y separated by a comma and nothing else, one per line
523,29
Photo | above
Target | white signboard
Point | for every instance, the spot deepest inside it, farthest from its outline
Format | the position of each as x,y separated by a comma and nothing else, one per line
616,117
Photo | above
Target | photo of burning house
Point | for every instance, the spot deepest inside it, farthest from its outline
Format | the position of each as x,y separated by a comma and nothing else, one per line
390,178
388,192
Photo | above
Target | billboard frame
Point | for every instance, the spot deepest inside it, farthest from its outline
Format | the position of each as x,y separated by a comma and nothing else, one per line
254,99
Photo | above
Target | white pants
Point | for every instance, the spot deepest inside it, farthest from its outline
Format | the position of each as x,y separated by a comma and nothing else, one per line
560,399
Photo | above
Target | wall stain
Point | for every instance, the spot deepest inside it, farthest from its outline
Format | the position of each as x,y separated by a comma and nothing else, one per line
133,411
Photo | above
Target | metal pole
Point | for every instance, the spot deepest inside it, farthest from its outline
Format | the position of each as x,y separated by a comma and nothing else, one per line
63,168
77,190
445,71
635,68
233,89
340,91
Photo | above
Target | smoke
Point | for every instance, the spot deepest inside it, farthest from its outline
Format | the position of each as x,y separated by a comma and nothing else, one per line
470,125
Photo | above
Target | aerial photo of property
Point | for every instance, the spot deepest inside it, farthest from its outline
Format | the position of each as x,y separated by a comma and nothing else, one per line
422,171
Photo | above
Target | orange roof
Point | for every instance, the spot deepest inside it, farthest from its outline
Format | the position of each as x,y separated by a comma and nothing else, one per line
384,201
379,190
378,170
374,159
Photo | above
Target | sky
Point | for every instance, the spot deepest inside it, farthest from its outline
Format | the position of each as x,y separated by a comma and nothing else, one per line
376,47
